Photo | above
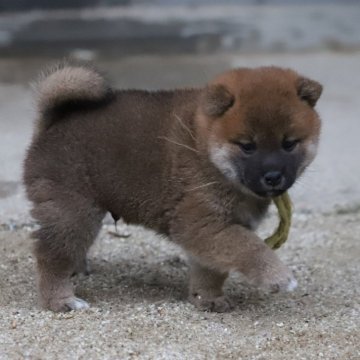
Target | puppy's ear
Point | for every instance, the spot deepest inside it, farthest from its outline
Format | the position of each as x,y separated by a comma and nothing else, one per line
309,90
216,100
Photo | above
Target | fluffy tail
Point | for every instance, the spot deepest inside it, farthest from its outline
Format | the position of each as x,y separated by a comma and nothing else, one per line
68,85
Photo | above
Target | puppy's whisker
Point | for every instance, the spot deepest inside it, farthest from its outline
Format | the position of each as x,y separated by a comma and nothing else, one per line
202,186
303,184
178,118
177,143
313,171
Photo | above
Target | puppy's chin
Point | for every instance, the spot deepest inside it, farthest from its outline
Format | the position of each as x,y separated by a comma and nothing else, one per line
260,194
263,192
269,194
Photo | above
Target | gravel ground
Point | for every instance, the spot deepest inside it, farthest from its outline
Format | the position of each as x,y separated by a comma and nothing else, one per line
137,290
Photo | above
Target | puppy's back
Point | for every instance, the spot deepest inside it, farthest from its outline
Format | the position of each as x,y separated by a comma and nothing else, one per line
108,145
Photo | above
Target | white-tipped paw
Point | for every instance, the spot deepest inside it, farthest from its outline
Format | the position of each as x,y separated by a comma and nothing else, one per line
281,285
292,285
65,304
76,303
275,279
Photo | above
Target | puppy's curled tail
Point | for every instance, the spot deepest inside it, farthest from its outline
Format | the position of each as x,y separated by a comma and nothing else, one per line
66,87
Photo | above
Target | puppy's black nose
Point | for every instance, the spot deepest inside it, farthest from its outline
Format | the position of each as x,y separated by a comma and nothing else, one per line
273,178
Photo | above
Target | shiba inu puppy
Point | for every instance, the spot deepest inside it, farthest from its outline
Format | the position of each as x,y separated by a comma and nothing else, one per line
197,165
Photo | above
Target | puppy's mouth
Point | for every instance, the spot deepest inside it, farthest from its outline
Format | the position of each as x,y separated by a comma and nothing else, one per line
270,193
263,189
261,193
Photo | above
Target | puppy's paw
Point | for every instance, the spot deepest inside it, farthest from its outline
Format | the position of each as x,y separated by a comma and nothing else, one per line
273,280
218,304
75,303
281,285
66,304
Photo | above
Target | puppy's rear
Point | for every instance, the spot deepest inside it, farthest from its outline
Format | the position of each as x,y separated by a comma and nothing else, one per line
89,156
57,183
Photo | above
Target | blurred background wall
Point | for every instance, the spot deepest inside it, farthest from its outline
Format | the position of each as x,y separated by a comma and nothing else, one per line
127,27
172,43
104,29
61,4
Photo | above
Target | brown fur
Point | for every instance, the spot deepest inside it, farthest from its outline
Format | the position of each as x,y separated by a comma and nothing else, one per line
166,160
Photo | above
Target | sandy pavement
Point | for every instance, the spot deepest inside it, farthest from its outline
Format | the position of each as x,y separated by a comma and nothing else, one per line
137,291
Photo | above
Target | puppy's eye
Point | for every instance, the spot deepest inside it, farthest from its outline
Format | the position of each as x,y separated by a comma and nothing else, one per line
290,144
248,148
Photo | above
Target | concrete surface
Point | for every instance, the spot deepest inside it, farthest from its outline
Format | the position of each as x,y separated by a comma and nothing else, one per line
139,309
124,31
138,287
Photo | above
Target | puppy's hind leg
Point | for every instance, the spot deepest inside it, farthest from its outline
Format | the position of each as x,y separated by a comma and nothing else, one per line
69,224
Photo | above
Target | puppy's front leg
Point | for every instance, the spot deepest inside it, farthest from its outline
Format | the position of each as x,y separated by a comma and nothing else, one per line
220,249
205,289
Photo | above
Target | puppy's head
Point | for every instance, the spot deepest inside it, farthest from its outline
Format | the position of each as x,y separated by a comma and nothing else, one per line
260,127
